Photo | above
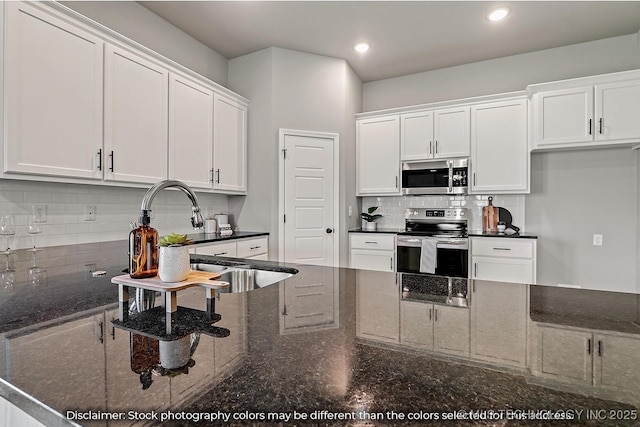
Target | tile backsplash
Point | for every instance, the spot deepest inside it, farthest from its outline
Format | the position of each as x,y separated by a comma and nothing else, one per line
392,208
115,208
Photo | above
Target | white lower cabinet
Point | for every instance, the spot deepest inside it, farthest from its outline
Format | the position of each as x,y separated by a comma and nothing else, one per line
602,363
248,248
435,327
499,318
372,251
504,259
377,306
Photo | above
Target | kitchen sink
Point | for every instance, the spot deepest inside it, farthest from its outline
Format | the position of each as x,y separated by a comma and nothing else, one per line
243,279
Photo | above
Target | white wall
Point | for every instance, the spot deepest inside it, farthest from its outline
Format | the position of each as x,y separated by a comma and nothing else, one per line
574,195
145,27
508,74
116,208
294,90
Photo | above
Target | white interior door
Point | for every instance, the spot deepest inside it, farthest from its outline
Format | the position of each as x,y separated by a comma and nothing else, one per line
309,197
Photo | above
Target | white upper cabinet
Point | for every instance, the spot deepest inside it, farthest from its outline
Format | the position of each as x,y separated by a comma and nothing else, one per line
451,127
84,104
435,134
618,111
229,145
378,156
190,132
416,136
564,116
135,117
53,96
587,112
499,147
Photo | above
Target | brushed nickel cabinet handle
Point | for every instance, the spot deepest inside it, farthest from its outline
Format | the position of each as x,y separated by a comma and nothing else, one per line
590,126
601,125
100,159
112,161
589,346
221,253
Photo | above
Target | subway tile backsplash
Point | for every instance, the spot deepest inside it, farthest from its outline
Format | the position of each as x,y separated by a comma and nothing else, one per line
392,208
115,207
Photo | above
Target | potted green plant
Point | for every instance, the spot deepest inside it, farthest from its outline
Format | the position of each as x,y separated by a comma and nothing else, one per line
173,258
370,218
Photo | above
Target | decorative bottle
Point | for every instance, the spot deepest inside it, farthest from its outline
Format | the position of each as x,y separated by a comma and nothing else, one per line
143,252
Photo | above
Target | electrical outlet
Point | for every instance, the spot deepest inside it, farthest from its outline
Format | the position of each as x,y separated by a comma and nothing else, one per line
90,212
39,212
350,211
597,240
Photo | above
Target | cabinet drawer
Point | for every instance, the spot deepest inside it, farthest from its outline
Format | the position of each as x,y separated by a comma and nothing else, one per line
503,248
218,249
373,241
252,247
503,269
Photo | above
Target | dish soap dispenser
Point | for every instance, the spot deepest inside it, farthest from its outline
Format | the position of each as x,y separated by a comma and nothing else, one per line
143,252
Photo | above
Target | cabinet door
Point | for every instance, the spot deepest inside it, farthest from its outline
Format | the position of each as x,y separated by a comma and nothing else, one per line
565,355
190,132
378,154
452,132
616,361
451,330
617,111
377,306
499,147
229,145
564,116
53,90
416,136
503,269
38,364
499,313
135,117
416,324
372,260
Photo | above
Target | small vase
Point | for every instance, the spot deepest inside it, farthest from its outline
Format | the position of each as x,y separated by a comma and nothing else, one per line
370,226
173,263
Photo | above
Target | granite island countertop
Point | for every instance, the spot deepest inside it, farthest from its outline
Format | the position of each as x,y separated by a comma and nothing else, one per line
340,351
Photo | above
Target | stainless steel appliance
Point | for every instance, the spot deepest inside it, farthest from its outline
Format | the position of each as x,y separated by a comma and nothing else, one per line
447,228
435,177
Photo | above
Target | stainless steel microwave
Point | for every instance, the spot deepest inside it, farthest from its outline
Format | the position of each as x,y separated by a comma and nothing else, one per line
435,177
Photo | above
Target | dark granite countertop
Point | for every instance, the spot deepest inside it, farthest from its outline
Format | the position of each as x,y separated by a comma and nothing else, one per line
324,339
509,234
377,230
217,237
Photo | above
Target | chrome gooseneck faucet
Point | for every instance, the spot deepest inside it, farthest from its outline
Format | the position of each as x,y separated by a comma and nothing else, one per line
145,209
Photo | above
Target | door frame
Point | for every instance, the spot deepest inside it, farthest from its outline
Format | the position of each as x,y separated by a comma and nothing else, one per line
336,187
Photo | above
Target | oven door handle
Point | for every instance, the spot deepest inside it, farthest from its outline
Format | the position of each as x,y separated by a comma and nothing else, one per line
450,176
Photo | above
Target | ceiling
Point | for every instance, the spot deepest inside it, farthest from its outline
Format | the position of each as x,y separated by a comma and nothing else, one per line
405,37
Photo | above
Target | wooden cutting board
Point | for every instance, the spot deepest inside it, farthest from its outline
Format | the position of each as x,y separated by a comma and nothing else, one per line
196,278
490,216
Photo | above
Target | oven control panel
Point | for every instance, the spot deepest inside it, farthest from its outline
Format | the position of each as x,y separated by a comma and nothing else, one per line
422,213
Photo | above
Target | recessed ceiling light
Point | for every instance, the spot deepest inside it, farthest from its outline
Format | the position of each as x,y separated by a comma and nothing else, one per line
361,47
498,14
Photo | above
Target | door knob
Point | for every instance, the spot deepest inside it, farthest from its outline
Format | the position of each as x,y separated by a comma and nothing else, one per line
329,230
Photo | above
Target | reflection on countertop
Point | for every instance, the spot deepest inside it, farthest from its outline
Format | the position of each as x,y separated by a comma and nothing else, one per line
325,339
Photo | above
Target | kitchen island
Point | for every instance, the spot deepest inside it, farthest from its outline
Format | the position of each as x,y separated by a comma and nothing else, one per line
326,346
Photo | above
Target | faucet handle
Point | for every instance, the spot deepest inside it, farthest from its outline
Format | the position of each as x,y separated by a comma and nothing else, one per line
196,218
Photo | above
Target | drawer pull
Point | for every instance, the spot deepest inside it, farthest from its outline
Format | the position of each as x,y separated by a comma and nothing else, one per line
589,346
255,247
373,243
221,253
429,314
501,249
